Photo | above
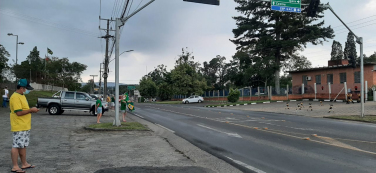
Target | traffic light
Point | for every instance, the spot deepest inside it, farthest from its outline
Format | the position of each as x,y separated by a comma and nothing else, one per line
312,8
210,2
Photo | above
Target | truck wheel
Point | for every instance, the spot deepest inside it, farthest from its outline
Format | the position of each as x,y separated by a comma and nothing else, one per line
54,109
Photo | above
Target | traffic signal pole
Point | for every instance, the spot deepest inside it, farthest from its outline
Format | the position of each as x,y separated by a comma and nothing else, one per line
359,40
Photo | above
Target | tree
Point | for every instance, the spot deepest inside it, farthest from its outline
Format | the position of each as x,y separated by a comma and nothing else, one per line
147,87
185,77
297,62
350,46
337,53
264,33
88,86
215,72
370,59
4,54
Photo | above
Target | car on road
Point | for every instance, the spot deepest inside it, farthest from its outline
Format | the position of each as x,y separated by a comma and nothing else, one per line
193,99
69,100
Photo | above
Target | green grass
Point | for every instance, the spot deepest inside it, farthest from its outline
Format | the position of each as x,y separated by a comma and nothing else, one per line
124,126
369,119
32,97
240,103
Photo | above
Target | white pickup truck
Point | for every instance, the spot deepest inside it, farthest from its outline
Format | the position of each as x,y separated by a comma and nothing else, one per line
69,100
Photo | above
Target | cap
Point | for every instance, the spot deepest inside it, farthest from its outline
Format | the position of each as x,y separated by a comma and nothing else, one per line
25,83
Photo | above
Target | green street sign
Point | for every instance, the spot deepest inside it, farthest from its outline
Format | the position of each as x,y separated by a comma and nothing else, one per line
287,5
131,87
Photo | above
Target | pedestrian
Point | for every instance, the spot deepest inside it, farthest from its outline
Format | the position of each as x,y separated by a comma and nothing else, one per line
123,107
20,121
108,100
5,96
98,107
113,101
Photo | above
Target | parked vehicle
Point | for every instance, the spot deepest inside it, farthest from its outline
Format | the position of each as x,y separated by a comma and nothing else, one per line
193,99
69,100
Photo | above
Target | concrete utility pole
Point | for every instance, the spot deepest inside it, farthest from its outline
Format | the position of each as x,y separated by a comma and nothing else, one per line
119,23
100,78
92,90
105,72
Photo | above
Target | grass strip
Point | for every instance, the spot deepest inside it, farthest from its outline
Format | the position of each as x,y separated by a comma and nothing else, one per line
124,126
369,119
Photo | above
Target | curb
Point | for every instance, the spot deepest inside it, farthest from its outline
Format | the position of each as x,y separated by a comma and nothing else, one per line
96,129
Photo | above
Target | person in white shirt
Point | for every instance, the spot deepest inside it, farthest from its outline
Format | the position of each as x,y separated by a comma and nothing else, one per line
5,97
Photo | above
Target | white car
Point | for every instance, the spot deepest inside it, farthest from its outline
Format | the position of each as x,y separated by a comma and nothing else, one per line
193,99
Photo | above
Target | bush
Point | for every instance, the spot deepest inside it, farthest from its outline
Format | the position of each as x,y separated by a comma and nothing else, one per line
233,96
142,99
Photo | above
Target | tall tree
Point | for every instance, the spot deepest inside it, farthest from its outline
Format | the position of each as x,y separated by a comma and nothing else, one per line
185,76
147,87
350,48
264,33
297,62
215,72
4,54
337,53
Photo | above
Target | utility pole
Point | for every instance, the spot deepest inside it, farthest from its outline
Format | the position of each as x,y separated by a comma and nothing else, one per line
105,72
92,90
100,78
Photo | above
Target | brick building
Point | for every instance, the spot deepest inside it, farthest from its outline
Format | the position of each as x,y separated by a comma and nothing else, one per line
336,73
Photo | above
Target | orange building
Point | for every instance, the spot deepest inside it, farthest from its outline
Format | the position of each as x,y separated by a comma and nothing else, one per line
336,73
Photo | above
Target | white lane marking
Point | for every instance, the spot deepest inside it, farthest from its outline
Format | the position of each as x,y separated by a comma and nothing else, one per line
165,128
230,134
247,166
139,116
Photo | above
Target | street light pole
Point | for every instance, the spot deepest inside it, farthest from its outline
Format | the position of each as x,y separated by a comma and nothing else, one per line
93,83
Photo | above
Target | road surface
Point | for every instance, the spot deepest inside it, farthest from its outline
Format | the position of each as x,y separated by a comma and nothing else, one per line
270,142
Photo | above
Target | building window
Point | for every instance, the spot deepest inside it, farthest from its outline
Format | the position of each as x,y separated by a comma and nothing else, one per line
318,79
342,77
330,78
357,77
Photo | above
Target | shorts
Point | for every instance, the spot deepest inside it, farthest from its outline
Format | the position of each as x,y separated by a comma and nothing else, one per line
122,111
99,110
112,104
21,139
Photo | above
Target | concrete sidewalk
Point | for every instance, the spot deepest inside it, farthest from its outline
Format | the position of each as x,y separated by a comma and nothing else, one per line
60,144
338,109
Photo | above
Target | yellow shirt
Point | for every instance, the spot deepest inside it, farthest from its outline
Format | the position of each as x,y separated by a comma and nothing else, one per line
18,102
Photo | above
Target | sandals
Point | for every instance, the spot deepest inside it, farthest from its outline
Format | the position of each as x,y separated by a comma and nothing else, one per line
31,166
18,171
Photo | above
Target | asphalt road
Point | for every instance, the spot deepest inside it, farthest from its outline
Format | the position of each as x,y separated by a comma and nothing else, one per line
270,142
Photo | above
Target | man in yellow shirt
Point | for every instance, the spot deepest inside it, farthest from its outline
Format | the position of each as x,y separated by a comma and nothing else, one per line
20,121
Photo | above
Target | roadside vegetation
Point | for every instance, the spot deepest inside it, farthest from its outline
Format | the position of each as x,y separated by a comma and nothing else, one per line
369,119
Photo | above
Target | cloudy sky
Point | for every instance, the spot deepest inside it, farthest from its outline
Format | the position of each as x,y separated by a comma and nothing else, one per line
156,34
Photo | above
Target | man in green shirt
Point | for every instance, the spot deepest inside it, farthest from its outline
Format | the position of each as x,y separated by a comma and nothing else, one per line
98,107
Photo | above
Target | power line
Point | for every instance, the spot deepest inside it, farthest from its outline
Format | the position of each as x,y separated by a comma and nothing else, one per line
356,25
355,21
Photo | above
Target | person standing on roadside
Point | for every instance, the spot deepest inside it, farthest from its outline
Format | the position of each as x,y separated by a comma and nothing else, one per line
5,96
123,107
20,121
98,107
113,101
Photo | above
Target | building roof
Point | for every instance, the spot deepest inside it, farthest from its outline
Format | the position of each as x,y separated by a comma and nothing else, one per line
327,67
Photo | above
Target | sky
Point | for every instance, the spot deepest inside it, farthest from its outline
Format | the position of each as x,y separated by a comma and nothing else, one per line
157,33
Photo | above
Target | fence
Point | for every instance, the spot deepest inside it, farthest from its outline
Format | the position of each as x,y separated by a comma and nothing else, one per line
245,93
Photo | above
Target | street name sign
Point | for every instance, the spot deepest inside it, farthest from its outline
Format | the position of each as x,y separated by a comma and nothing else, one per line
287,5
